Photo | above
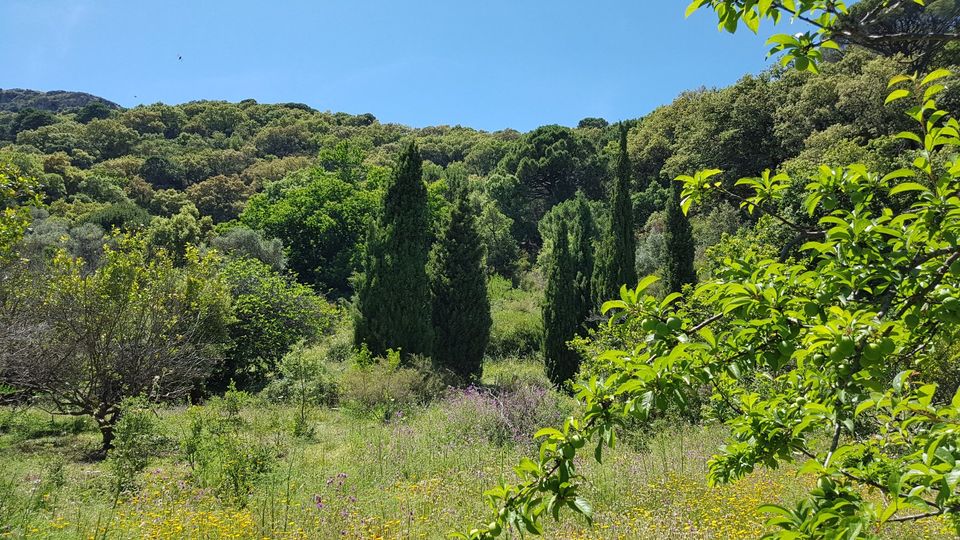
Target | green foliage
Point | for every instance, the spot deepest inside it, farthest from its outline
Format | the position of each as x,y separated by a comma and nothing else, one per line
29,120
386,390
502,253
222,457
560,311
550,165
576,215
165,326
320,219
837,335
461,308
161,172
123,216
517,328
177,234
243,242
220,197
305,383
679,246
137,439
305,379
393,295
96,110
272,313
616,257
17,194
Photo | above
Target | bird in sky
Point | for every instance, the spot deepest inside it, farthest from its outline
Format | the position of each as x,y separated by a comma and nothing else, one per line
180,57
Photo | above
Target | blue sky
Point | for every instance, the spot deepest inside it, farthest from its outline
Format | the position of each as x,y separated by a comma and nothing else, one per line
486,64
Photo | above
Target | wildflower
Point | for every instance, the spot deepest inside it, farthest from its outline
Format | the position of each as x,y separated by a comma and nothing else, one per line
318,501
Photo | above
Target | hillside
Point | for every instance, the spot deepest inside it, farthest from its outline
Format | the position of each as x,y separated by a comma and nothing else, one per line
56,101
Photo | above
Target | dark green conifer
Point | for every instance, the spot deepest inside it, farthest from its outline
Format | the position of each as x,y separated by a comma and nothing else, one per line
393,295
461,309
679,245
616,256
560,322
582,235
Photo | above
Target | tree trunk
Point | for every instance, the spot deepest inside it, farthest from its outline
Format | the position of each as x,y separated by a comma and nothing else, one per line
106,423
106,430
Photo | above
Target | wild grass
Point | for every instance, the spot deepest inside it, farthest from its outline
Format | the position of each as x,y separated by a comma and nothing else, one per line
234,469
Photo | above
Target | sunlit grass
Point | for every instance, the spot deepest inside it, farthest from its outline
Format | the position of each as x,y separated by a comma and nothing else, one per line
420,476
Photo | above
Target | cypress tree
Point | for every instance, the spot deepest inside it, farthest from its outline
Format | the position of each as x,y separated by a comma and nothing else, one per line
461,309
679,245
560,320
393,296
616,257
582,235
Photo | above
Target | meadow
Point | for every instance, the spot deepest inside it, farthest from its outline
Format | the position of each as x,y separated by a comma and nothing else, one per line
244,466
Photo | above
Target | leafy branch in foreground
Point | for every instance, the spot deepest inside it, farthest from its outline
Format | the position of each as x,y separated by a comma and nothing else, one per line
840,337
831,23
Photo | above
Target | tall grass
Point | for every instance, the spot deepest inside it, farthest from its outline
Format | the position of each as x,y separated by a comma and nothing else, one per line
420,474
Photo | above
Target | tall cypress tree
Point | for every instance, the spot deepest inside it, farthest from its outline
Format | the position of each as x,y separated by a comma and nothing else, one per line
679,245
461,309
560,321
393,297
582,235
616,257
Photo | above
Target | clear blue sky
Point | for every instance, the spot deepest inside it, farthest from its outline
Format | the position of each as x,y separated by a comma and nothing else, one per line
487,64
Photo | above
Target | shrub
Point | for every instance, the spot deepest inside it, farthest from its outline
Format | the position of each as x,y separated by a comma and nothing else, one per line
166,324
273,312
137,439
506,415
219,455
383,388
517,326
305,383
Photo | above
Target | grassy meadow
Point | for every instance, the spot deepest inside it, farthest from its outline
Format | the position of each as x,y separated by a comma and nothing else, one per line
240,467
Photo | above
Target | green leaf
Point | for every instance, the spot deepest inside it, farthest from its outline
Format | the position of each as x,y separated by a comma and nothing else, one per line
906,187
583,507
548,432
775,509
895,95
864,405
669,299
936,75
910,136
693,7
645,283
899,173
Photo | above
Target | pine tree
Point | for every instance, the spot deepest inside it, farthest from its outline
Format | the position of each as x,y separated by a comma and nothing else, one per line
560,321
393,296
616,257
679,245
461,309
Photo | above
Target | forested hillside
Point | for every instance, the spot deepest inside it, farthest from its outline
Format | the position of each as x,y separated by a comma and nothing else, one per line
312,179
316,324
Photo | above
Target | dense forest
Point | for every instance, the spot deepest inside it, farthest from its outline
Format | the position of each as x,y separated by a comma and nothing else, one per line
777,256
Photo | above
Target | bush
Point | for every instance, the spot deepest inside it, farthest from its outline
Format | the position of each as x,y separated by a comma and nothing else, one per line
505,415
124,216
305,383
273,312
517,325
219,456
384,389
137,439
